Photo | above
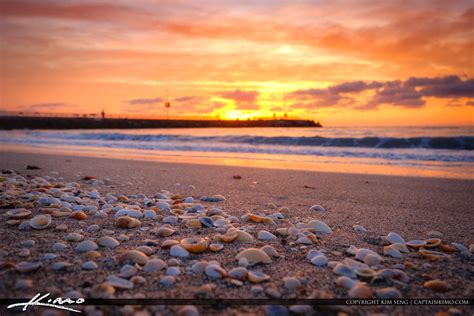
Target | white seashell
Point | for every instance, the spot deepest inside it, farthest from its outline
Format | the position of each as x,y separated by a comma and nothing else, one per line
243,236
87,245
319,260
163,206
42,221
320,227
74,237
170,220
362,252
344,270
120,283
313,253
199,267
238,273
269,250
317,208
89,265
25,267
134,213
173,271
372,259
149,214
345,282
243,262
215,271
395,238
400,247
265,235
214,198
178,251
108,242
304,241
154,265
254,256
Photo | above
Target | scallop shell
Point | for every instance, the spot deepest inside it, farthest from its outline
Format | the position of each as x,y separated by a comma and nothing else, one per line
437,286
266,235
320,227
134,256
361,291
254,256
86,245
194,245
18,213
416,244
394,238
257,276
127,222
41,221
216,247
154,265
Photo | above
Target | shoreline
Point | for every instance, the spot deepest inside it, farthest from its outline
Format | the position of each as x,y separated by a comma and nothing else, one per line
410,206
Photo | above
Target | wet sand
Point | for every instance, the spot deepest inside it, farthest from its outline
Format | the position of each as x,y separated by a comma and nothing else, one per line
409,206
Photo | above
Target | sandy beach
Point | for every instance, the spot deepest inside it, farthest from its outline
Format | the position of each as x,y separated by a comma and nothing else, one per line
409,206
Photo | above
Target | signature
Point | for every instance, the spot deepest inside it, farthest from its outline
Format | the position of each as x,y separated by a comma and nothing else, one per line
54,303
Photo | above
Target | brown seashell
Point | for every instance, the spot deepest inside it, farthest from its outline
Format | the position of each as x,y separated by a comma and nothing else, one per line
103,290
313,238
60,214
257,276
447,248
432,242
194,245
228,237
92,254
169,243
18,213
127,222
41,221
177,197
432,255
193,223
268,220
13,222
416,244
243,236
164,231
255,218
282,231
254,256
48,210
79,215
365,272
216,247
437,285
360,291
135,256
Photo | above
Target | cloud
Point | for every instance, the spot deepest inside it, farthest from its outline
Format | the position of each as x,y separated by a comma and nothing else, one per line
42,106
411,93
145,101
244,100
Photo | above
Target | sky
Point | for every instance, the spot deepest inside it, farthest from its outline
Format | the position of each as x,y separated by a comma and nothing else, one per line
339,62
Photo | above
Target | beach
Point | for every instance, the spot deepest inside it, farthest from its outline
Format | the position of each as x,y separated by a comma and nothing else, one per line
409,206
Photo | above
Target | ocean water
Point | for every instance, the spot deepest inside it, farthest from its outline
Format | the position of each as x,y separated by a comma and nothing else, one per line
420,151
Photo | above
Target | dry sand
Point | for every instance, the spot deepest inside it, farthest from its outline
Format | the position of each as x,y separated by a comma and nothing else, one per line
407,205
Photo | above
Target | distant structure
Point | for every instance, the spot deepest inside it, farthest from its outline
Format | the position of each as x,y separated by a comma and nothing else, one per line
167,105
285,115
103,114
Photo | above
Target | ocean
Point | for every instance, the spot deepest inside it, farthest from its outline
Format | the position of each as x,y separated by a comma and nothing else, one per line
407,151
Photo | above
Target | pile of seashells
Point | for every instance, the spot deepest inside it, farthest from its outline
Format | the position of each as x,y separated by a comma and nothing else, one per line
36,203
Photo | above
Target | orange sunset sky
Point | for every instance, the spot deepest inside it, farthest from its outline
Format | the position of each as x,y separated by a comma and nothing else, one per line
340,62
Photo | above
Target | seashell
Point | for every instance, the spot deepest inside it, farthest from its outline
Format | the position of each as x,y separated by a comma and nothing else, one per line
18,213
243,236
57,247
127,222
400,247
293,231
175,271
432,242
269,250
432,255
194,245
206,221
345,282
146,250
119,283
365,272
317,208
392,252
447,248
282,231
138,280
61,265
134,256
86,245
459,247
60,214
25,267
169,243
199,267
243,262
388,293
255,218
228,237
151,214
254,256
319,260
41,221
92,254
168,280
205,291
164,231
89,265
103,290
74,237
361,253
216,247
360,291
239,273
344,270
302,309
320,227
108,242
372,259
291,283
265,235
214,198
257,276
304,241
79,215
352,250
178,251
395,238
154,265
359,229
437,286
416,244
193,223
313,253
188,310
215,271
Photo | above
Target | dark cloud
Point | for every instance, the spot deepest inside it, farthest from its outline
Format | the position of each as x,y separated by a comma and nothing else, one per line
42,106
410,93
141,101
